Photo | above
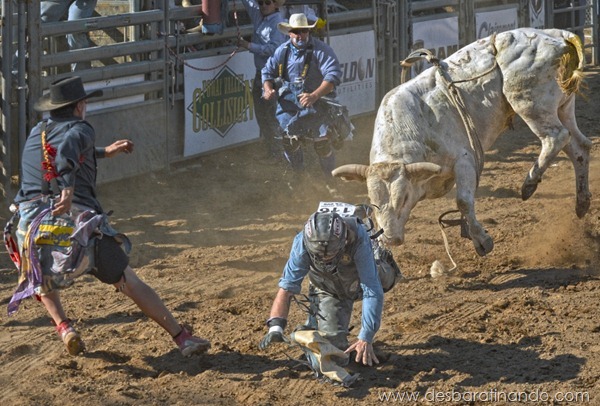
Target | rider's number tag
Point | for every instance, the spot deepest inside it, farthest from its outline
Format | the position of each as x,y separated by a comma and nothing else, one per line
343,209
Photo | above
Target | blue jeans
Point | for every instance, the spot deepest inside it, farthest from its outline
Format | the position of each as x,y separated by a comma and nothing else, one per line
306,124
334,321
264,110
54,10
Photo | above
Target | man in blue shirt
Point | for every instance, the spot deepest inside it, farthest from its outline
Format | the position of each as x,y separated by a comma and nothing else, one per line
304,69
265,17
336,254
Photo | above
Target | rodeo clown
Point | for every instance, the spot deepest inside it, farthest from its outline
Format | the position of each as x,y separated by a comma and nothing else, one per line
344,264
63,232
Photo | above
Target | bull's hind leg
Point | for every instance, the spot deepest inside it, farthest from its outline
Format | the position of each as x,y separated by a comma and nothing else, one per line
578,151
554,137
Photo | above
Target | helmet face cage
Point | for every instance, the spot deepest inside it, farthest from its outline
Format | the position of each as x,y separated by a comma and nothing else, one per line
325,239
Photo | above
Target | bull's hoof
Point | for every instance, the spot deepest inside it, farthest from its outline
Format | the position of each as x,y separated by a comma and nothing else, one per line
528,189
583,205
485,247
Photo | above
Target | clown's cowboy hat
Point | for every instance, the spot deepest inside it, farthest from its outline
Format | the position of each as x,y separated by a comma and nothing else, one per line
297,22
64,92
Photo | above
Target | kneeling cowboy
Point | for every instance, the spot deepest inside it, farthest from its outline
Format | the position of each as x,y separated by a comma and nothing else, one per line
337,255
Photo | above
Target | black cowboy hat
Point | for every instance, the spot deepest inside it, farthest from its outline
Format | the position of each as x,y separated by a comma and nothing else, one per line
64,92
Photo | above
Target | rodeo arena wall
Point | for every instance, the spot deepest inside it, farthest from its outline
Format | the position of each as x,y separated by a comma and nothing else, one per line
179,95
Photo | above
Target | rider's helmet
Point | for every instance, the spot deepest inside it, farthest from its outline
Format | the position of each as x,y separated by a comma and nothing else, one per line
325,240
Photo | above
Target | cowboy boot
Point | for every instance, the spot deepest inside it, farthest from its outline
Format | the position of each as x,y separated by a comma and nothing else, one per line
198,28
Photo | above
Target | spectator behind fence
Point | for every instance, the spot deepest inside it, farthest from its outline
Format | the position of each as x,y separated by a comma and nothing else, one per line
54,10
265,17
213,14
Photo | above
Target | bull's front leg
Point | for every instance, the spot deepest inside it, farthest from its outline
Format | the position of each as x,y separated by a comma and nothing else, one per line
466,185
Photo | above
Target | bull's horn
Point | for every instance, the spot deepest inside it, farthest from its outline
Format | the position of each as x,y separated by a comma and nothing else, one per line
351,172
423,168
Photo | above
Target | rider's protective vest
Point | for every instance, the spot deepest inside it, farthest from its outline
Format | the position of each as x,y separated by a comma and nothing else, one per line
343,282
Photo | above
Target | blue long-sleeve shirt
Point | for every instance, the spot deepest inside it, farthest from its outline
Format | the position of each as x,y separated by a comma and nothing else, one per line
265,37
324,65
360,268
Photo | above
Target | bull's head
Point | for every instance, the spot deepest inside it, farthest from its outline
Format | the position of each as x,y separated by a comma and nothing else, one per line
395,188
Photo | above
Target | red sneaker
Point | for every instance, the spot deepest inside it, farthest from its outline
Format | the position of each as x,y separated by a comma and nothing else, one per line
190,345
70,337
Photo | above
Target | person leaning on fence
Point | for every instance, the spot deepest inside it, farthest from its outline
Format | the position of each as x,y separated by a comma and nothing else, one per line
337,255
265,17
302,72
212,15
63,231
54,10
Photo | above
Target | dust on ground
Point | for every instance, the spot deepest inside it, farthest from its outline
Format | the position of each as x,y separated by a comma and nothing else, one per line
212,237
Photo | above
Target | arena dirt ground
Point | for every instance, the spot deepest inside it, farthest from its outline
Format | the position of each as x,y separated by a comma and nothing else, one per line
213,235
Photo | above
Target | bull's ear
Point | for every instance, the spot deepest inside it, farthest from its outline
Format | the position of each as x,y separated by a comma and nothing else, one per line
422,170
351,172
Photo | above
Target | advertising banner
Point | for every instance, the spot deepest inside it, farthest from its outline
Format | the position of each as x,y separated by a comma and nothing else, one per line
440,36
219,111
495,21
356,53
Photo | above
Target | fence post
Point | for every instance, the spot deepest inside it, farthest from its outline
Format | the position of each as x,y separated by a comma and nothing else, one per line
34,68
164,29
5,141
595,32
405,35
523,13
466,22
387,34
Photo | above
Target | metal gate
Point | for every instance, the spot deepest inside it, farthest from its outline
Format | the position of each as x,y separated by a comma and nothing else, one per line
580,17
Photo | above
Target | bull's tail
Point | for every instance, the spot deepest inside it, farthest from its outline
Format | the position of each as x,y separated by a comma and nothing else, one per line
570,71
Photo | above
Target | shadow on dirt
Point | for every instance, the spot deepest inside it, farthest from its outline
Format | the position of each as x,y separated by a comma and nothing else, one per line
225,361
471,364
41,321
172,362
552,278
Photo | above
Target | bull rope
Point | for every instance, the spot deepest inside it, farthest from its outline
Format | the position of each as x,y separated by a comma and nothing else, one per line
455,97
447,223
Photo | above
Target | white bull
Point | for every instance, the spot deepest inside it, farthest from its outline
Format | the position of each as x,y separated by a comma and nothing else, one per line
424,141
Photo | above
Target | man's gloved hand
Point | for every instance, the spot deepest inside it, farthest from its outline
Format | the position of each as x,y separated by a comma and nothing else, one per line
275,335
272,337
337,142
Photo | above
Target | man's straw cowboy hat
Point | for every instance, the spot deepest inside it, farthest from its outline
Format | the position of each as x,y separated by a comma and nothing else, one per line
297,22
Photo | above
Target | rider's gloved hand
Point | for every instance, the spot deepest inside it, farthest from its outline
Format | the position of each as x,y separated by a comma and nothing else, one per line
275,335
272,337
